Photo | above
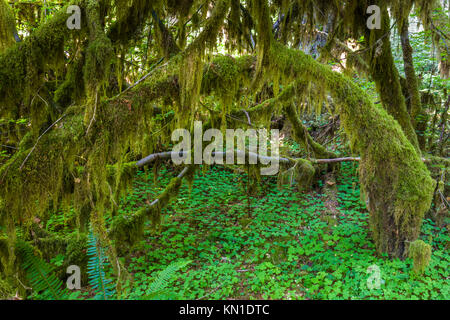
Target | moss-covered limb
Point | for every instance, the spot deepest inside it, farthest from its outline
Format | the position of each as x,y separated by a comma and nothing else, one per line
28,189
168,154
227,77
386,76
130,229
302,136
7,26
397,184
22,68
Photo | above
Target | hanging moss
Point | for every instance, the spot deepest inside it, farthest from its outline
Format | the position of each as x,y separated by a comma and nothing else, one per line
131,17
33,174
7,26
6,290
167,45
420,252
302,136
191,71
99,54
72,89
22,68
435,20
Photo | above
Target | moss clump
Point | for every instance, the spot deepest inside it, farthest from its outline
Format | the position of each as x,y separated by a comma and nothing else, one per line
128,229
301,175
420,252
221,76
305,174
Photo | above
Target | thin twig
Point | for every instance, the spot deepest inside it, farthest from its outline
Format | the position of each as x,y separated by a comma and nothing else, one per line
143,78
32,149
95,111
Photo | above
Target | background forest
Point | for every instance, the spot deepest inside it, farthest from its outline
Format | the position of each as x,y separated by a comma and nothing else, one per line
91,92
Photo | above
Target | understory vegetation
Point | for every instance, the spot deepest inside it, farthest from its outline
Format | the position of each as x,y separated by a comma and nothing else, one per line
274,244
354,96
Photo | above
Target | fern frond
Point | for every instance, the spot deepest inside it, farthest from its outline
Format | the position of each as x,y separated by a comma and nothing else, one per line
103,287
40,275
159,285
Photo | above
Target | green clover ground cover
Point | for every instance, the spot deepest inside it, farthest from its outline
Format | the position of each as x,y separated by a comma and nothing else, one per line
277,244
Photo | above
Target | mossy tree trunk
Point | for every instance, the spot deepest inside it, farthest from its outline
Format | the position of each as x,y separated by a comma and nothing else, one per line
386,76
416,112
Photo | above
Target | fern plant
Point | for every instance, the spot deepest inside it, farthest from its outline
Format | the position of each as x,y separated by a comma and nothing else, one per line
158,288
103,287
40,274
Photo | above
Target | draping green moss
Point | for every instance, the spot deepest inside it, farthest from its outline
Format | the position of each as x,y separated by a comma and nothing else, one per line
7,26
6,291
22,68
191,70
302,136
131,16
29,184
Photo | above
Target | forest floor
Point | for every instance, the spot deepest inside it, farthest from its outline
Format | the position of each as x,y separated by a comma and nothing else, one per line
275,244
